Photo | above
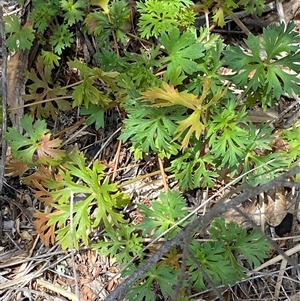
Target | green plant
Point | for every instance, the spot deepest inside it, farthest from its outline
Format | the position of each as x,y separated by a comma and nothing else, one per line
49,58
61,38
42,88
227,139
194,123
183,50
107,23
194,167
96,116
150,129
73,10
163,215
220,9
45,25
208,66
21,37
237,241
86,92
162,275
124,245
268,70
35,146
139,71
176,105
210,256
218,257
158,16
291,136
43,14
91,190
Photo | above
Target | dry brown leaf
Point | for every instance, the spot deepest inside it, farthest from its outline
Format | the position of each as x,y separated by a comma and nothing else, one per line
259,115
276,208
15,168
42,194
250,208
45,232
25,235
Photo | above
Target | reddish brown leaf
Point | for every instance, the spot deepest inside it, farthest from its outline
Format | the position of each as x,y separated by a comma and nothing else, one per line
42,194
48,150
46,232
15,168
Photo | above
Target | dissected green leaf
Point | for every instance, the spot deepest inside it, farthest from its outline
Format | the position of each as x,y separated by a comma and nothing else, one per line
270,65
60,218
123,244
182,50
49,58
163,214
42,88
218,258
61,38
91,189
252,245
21,37
152,129
210,256
193,169
96,116
35,147
165,276
73,10
291,136
228,141
156,17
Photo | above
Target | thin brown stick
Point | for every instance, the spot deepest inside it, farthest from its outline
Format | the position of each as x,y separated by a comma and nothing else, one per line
57,289
4,97
116,161
242,26
72,250
182,273
163,175
41,101
274,260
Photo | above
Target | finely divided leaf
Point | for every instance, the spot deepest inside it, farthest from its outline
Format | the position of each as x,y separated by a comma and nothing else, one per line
270,64
182,50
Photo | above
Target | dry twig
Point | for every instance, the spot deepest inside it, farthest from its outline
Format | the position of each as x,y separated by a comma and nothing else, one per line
4,95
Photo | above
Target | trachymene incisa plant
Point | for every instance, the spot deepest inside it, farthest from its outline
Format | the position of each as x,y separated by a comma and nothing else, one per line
178,106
